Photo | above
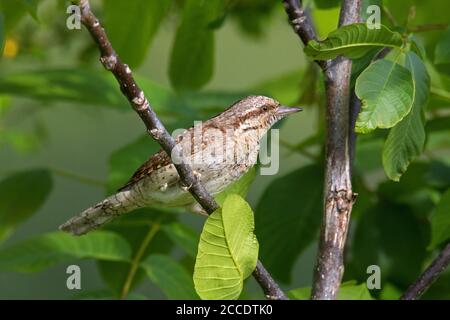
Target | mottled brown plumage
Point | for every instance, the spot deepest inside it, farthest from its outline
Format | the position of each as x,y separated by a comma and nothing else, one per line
219,150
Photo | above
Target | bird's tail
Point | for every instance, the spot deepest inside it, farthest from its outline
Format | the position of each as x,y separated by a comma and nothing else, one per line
99,214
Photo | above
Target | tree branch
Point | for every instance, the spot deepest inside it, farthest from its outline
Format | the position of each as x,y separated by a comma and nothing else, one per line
302,24
338,194
156,129
430,275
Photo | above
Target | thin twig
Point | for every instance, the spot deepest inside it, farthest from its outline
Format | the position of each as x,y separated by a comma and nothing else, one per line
430,275
155,128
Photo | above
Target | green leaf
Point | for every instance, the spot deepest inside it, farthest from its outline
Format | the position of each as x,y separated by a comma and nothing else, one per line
227,251
386,90
79,86
442,51
288,219
240,187
132,25
348,291
359,65
21,195
353,41
192,58
88,87
170,277
183,236
43,251
440,221
406,140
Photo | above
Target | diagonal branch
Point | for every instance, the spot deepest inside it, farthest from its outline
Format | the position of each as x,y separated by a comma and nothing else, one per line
430,275
156,129
302,24
338,194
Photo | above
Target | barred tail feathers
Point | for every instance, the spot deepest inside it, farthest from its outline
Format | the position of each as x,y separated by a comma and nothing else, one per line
99,214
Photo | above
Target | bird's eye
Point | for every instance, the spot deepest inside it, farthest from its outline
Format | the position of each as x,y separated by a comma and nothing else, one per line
265,108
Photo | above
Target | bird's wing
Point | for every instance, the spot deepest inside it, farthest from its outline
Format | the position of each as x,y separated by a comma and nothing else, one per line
161,159
158,160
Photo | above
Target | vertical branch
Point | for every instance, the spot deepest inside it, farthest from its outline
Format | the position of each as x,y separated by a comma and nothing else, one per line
430,275
156,129
338,194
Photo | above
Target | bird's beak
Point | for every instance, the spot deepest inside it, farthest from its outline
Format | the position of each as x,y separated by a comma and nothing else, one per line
284,111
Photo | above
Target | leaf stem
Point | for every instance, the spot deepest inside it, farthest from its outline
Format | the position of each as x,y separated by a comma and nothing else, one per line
154,228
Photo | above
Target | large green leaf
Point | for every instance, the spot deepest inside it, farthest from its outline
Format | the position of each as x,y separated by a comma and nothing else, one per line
227,251
72,85
348,291
442,52
192,58
440,221
353,41
88,87
43,251
170,276
21,195
406,140
132,26
386,90
288,219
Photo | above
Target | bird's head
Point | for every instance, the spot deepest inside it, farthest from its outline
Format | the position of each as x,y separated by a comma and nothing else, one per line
258,113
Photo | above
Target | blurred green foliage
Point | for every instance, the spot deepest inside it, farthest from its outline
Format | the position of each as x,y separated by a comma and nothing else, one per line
399,225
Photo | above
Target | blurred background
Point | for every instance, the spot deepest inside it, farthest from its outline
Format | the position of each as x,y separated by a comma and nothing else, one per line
66,128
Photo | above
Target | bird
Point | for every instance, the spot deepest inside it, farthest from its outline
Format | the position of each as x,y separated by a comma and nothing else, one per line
219,150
